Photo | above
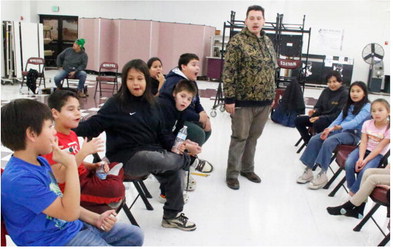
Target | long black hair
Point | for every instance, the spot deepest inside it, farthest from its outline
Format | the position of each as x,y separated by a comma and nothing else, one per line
357,105
124,94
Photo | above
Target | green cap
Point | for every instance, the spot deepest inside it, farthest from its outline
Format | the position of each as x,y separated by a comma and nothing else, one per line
80,42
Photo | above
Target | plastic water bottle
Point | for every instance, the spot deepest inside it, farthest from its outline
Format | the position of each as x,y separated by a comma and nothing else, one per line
180,138
100,172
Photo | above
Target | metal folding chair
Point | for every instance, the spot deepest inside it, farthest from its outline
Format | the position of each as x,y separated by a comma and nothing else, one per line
107,75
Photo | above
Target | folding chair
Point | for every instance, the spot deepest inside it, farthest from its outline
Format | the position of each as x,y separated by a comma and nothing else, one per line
38,64
311,132
140,187
341,158
107,75
340,154
67,79
381,197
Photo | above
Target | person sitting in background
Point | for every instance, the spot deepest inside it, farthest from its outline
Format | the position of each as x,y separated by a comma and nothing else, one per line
35,211
97,195
197,120
345,129
157,79
372,178
374,144
327,108
72,63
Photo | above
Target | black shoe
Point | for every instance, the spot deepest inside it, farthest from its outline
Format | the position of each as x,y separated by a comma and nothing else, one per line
335,210
233,183
251,176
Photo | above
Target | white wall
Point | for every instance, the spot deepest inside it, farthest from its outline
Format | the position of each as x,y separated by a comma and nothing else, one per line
362,21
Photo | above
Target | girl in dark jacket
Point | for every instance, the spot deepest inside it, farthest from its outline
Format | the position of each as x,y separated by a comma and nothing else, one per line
136,136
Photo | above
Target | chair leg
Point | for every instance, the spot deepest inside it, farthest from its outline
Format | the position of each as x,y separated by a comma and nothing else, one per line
95,92
301,148
142,195
298,141
367,217
130,217
145,190
334,191
385,240
333,178
100,86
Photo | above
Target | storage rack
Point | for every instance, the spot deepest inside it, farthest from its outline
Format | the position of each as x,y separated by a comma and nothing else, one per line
276,31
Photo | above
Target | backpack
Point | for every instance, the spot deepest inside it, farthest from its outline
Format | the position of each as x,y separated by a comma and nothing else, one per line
291,105
31,79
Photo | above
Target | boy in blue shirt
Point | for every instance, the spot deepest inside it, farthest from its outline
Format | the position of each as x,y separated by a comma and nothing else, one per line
35,211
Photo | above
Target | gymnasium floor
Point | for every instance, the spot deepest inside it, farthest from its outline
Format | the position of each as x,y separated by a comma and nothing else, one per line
276,212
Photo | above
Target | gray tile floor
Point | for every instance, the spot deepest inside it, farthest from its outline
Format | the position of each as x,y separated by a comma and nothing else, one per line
276,212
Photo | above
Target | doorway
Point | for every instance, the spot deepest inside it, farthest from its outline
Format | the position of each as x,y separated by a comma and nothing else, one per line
60,32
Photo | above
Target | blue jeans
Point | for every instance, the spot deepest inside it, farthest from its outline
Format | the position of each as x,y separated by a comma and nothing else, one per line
62,74
121,234
353,182
320,151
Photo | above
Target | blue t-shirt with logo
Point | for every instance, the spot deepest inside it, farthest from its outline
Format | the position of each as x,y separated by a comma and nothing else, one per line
27,190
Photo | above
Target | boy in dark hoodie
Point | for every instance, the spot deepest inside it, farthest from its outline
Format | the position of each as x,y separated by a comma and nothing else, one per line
173,108
196,119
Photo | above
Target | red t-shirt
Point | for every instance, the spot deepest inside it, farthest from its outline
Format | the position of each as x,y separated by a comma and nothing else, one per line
65,142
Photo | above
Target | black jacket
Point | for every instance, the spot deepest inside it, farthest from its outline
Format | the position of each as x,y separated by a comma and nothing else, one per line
134,127
174,76
292,100
174,119
330,103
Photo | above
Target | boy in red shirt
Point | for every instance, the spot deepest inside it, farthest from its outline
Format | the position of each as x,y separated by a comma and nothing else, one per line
96,194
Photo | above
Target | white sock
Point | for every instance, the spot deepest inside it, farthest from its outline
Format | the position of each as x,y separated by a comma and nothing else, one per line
115,169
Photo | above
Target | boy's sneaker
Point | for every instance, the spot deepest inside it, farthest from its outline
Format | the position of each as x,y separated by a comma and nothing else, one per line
180,221
189,182
162,198
202,166
306,177
319,181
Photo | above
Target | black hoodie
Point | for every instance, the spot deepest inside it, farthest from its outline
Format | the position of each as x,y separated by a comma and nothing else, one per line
134,127
330,103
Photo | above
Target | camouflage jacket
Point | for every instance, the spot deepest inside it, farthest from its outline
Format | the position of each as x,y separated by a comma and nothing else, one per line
249,70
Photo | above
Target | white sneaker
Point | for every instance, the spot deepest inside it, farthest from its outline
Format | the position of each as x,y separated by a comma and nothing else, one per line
189,182
202,166
306,176
319,181
180,221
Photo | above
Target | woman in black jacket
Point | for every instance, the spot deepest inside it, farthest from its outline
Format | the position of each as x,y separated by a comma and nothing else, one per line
136,136
327,108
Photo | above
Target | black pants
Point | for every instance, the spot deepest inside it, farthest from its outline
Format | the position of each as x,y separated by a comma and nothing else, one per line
167,168
302,124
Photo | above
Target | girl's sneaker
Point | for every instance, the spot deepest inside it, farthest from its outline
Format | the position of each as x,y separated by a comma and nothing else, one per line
306,177
319,181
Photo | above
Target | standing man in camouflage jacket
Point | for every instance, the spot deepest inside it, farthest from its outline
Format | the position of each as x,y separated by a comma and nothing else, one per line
249,89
